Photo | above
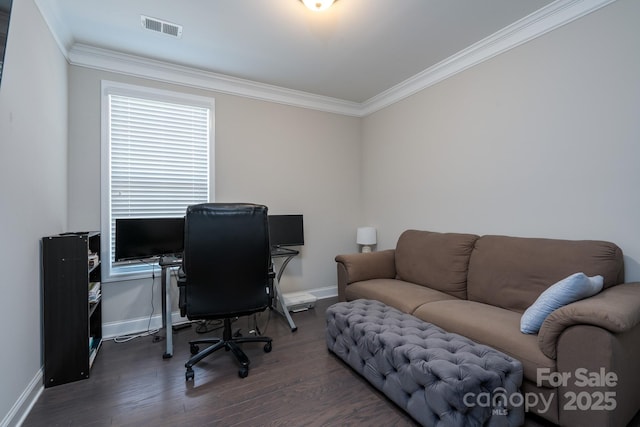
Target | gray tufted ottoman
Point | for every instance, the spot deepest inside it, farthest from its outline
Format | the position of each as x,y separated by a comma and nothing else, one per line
440,379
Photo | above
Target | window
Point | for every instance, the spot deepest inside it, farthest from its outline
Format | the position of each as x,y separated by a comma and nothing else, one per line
155,160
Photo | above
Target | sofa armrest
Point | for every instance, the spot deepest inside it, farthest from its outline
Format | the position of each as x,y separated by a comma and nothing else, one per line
364,266
591,351
616,309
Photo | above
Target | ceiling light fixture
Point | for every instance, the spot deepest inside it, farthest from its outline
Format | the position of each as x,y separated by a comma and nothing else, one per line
318,5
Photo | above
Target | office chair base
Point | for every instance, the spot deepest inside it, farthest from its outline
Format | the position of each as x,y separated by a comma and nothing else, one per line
229,343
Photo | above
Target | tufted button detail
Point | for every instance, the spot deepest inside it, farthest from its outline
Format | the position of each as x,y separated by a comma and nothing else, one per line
422,368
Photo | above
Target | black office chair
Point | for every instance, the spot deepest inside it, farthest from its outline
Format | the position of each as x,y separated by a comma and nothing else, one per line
226,273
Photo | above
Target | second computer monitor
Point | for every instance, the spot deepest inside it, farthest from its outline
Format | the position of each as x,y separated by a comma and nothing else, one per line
286,230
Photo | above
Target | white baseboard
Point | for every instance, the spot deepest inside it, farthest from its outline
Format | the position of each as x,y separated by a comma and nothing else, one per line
139,325
28,398
322,293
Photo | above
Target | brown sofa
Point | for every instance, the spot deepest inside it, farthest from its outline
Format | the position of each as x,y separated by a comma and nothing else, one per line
581,369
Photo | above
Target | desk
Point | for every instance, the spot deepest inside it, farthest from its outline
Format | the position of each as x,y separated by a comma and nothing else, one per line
167,263
281,307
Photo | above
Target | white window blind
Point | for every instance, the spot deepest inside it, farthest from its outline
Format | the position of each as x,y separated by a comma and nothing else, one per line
158,159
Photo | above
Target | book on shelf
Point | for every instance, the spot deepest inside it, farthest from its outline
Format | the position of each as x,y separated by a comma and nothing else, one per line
94,291
93,259
94,345
94,298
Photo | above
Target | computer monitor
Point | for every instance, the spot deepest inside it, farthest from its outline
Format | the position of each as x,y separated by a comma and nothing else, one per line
143,238
286,230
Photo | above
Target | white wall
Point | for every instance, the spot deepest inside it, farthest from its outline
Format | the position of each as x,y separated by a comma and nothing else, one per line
293,160
541,141
33,195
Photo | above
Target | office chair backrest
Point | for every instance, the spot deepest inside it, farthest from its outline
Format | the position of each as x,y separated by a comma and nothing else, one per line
227,260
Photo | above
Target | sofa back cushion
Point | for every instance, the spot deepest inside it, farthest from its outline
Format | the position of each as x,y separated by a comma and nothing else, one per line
436,260
511,272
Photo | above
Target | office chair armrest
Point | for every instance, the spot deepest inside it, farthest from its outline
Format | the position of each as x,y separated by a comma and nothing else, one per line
182,277
182,295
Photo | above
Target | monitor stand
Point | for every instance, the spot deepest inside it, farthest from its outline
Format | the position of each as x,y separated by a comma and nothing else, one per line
280,306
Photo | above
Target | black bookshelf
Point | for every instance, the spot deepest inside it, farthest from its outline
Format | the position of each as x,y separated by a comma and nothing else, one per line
72,323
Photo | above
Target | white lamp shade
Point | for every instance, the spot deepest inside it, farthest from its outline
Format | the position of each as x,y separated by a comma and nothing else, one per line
366,236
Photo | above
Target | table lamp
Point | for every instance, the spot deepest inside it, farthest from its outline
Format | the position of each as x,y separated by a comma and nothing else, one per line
366,237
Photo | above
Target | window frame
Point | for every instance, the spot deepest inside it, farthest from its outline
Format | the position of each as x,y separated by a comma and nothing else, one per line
137,270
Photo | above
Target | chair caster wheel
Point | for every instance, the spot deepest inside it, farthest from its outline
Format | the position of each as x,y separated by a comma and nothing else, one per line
189,374
243,372
194,349
267,347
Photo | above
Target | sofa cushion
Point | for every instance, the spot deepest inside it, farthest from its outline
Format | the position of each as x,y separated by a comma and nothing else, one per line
489,325
404,296
436,260
511,272
568,290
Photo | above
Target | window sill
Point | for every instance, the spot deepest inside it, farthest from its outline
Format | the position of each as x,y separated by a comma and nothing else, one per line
132,271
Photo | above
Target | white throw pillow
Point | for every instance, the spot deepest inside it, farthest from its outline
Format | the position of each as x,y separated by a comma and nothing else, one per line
570,289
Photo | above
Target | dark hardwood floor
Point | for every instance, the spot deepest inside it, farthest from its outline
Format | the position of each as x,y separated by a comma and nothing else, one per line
299,383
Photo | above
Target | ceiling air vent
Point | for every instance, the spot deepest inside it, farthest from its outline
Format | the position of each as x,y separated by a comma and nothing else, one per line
159,26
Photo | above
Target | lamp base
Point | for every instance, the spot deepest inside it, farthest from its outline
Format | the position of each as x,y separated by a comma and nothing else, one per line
366,249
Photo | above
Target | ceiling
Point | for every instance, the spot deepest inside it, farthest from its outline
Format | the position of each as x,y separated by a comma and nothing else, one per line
354,51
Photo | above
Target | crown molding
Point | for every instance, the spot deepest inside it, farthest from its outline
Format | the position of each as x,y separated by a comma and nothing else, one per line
547,19
108,60
550,17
